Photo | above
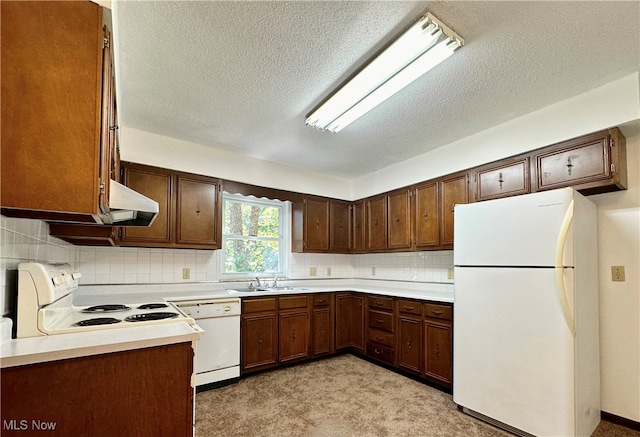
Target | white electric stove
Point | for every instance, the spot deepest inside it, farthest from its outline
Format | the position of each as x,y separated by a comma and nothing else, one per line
45,305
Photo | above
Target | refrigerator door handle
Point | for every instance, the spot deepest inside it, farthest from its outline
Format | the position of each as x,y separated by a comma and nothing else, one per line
559,268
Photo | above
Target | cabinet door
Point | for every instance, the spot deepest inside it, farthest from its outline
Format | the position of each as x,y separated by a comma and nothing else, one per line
578,162
377,223
357,322
359,227
340,226
343,320
294,336
427,223
259,341
159,187
410,344
503,180
399,220
197,212
438,351
321,331
316,224
453,190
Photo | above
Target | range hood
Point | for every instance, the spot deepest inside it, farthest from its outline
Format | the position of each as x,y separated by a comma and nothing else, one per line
128,207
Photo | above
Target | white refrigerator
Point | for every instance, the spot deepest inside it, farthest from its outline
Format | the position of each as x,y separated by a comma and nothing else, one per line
526,348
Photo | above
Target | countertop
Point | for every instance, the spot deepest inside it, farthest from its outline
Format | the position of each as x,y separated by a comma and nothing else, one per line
33,350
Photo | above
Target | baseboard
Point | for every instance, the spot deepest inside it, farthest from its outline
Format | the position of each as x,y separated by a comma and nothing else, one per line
622,421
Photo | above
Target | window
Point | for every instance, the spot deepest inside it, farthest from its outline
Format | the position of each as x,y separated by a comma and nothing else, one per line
253,237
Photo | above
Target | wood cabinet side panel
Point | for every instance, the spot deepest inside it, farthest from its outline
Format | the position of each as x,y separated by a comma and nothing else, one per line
136,393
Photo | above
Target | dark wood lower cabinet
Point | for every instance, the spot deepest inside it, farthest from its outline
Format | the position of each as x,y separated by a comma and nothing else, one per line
349,321
138,393
412,336
410,344
294,336
259,334
321,331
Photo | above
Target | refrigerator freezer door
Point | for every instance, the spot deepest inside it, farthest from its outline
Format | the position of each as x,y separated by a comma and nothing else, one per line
513,352
516,231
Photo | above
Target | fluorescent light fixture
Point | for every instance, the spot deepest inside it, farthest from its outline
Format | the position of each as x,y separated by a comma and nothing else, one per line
423,46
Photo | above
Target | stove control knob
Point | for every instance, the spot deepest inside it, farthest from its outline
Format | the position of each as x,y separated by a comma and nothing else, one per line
76,275
57,280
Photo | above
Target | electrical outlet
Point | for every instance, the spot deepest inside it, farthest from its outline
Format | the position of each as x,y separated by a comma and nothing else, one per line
328,271
373,271
186,273
617,273
313,271
449,273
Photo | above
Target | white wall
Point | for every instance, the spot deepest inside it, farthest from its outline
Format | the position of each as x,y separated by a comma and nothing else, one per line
147,148
619,245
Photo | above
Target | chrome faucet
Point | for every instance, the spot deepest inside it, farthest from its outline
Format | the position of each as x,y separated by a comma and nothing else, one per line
258,285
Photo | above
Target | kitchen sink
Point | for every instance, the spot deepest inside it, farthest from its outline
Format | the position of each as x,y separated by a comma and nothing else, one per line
262,289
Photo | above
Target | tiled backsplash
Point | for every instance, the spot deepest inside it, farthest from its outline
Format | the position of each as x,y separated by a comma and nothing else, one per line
28,240
23,240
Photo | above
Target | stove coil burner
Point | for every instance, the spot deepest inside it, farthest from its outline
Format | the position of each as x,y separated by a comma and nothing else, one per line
149,316
153,306
98,321
112,308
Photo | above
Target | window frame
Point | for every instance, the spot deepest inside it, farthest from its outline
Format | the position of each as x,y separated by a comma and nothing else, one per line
284,238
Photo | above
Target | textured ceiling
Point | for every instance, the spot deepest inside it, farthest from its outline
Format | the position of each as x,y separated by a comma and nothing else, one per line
243,75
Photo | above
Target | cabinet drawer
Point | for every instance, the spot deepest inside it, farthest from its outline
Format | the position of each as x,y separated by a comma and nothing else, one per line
380,352
438,311
380,302
258,305
381,320
410,307
381,337
289,302
321,300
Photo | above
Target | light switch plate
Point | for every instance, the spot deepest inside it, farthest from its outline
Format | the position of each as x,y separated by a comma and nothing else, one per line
373,271
313,271
449,273
617,273
186,273
328,271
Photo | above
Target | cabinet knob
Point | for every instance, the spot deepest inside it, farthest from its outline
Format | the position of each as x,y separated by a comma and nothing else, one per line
409,308
426,216
436,312
114,127
436,351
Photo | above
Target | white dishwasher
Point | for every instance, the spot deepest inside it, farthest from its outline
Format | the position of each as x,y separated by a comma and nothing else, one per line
218,350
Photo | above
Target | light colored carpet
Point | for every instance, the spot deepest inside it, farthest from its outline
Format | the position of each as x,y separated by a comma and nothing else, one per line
343,396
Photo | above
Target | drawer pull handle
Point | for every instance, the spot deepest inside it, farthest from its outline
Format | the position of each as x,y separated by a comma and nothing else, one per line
569,165
321,300
500,179
379,338
379,321
378,303
409,308
377,351
437,312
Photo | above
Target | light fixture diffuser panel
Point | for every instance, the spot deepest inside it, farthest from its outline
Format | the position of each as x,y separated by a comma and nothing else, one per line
424,45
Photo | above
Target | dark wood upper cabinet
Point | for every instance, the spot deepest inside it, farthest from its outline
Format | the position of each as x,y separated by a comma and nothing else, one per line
506,178
453,190
376,216
189,209
399,219
591,164
316,224
197,215
57,111
359,244
426,218
340,226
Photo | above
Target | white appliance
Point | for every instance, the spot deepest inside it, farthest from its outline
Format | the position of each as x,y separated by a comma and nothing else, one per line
218,357
526,349
45,305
